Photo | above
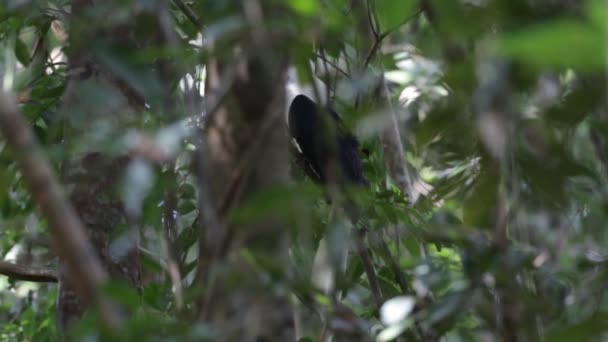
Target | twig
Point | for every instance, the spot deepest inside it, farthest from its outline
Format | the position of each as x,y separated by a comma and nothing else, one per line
392,263
380,37
26,273
373,24
70,241
168,240
324,331
334,65
328,85
188,13
361,247
368,267
374,49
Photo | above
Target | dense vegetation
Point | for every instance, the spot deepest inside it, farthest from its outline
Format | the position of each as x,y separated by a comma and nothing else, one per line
483,130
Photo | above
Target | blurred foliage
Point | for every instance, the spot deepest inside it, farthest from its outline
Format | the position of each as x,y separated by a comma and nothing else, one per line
503,112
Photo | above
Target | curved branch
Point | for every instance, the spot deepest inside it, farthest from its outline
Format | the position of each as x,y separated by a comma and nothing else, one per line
26,273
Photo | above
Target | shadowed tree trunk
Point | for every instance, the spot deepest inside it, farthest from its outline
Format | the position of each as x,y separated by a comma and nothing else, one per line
246,152
92,176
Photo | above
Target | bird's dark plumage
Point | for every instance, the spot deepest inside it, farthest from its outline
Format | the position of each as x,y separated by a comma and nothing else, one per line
322,139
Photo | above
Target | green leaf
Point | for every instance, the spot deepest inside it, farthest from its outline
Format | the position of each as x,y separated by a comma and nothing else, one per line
186,238
22,52
558,44
187,191
596,12
584,331
280,201
122,292
304,7
132,69
393,13
155,296
482,198
186,207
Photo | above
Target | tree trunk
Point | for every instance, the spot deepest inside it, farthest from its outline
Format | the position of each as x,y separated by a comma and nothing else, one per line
93,176
246,152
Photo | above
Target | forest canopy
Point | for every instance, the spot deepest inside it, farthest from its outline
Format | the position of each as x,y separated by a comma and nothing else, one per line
445,177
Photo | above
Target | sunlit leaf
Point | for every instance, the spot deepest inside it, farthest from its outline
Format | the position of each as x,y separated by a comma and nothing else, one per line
304,7
393,331
396,310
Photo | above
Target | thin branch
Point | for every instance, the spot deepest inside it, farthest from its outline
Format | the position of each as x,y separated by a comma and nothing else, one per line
380,37
391,142
374,49
373,24
327,74
368,267
26,273
405,21
334,65
188,13
394,153
70,241
392,263
173,268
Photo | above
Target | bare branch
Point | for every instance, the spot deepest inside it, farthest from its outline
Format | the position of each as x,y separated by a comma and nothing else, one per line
26,273
379,37
334,65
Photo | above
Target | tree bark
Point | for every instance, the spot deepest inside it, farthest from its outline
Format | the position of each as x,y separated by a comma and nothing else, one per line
245,152
93,176
20,272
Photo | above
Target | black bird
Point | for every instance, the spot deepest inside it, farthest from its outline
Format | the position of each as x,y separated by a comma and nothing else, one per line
329,153
324,142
